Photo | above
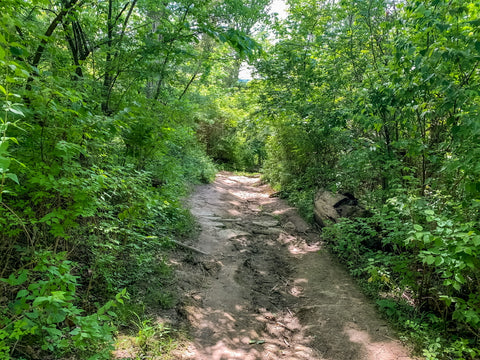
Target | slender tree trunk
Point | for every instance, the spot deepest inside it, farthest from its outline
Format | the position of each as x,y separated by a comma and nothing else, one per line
107,79
111,59
167,56
41,48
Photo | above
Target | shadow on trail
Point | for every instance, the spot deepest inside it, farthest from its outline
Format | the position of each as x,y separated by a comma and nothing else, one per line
277,294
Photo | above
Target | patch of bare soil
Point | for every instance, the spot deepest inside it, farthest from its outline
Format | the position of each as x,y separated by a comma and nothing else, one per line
267,289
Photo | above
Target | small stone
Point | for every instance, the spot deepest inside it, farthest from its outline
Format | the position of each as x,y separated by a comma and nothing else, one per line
229,234
218,225
270,231
265,223
290,226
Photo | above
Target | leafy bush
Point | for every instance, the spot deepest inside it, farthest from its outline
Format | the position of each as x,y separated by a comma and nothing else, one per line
42,315
231,132
424,266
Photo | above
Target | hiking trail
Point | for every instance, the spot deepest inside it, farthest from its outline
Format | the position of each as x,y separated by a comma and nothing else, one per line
267,288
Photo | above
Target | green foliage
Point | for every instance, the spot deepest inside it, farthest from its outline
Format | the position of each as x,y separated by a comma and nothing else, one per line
378,99
421,263
233,135
150,339
12,110
449,253
153,339
110,110
97,148
43,313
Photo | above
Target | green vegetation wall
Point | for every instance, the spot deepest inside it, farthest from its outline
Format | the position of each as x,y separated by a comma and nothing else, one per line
381,99
100,106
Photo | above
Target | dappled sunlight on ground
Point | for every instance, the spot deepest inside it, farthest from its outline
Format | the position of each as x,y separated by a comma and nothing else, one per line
381,350
268,336
269,290
297,245
125,347
248,195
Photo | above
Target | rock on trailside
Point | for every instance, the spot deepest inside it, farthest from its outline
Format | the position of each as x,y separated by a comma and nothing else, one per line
267,289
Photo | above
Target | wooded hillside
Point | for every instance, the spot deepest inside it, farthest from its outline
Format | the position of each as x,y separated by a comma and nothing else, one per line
112,108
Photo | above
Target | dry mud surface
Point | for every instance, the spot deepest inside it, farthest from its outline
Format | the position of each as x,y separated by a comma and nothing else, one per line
267,289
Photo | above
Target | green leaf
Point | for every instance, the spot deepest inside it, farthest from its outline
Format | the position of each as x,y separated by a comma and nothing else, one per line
2,89
447,299
33,315
4,164
14,281
15,111
56,316
418,227
58,295
16,51
53,331
22,293
40,300
14,139
3,146
257,342
476,240
12,177
429,259
460,278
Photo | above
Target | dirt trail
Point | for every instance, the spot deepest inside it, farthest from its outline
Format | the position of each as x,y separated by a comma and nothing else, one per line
267,290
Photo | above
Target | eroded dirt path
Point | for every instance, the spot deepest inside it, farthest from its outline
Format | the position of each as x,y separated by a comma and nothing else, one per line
266,289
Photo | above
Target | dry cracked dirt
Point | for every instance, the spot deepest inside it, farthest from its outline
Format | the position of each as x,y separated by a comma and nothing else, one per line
266,288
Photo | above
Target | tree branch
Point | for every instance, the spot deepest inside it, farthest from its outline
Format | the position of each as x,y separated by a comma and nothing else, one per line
50,30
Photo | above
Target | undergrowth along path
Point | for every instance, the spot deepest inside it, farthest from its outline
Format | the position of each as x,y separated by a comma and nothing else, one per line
267,288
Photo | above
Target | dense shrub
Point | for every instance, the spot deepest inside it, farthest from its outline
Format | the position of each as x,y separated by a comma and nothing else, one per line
423,265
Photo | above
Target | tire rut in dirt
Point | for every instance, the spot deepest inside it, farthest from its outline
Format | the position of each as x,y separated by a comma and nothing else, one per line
266,274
